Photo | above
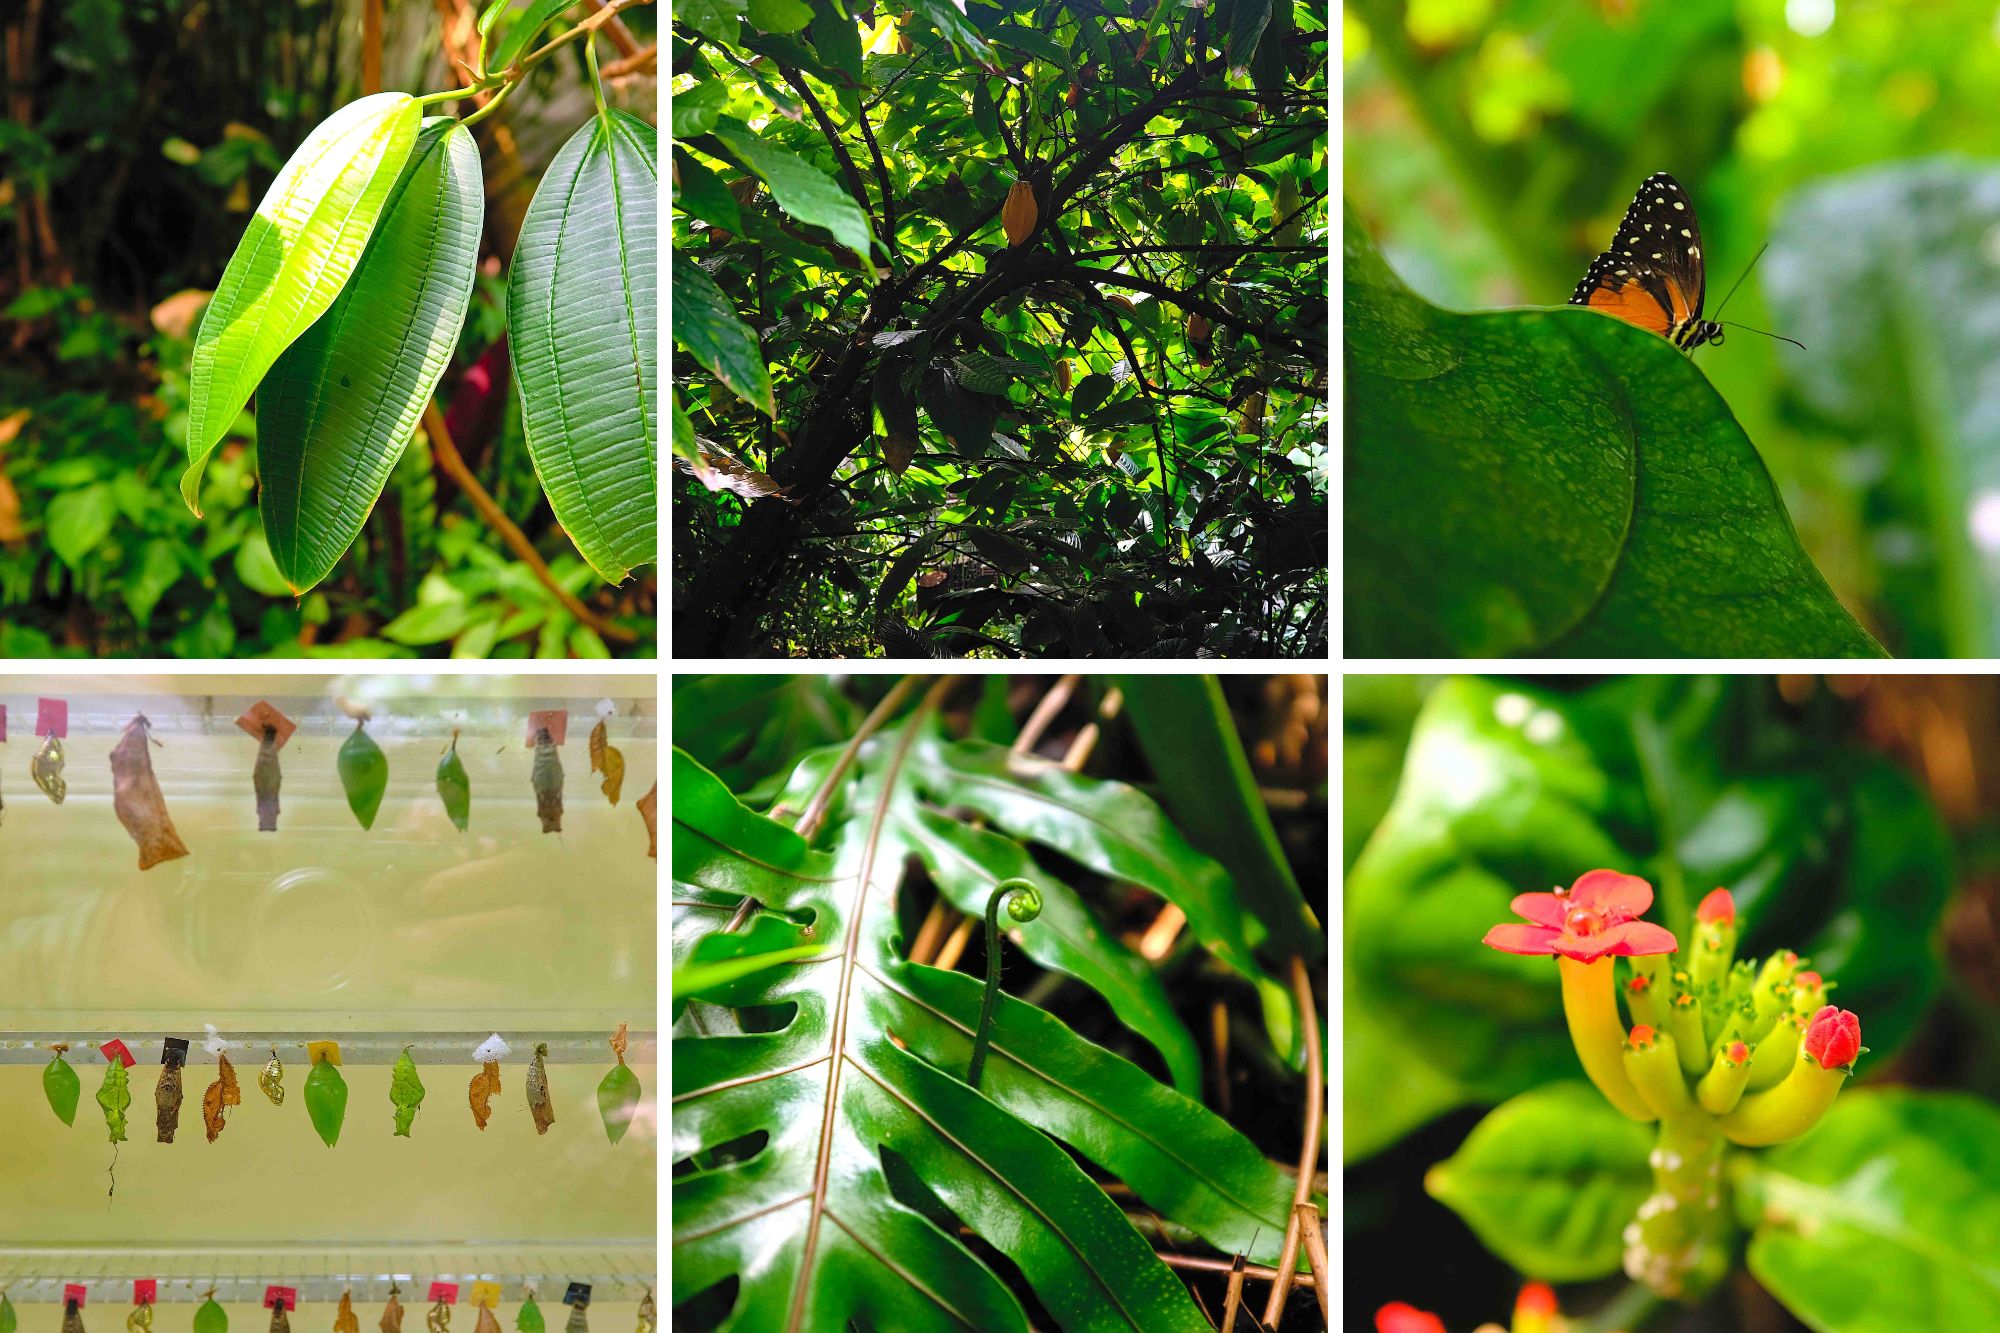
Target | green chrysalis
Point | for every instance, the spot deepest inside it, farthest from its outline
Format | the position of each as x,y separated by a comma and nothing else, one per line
454,788
211,1318
115,1096
618,1094
8,1321
326,1100
406,1090
364,774
530,1318
62,1087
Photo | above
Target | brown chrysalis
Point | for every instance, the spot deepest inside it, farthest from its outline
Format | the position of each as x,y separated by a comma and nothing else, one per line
344,1320
167,1092
221,1094
649,810
547,778
606,759
279,1322
487,1323
538,1090
265,779
72,1316
136,798
392,1313
484,1084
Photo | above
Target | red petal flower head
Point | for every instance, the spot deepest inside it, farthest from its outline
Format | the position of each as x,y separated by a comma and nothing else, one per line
1398,1317
1833,1038
1718,906
1594,918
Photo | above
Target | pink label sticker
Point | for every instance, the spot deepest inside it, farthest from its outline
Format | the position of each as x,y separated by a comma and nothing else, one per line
555,719
115,1050
444,1291
146,1291
288,1296
73,1291
51,717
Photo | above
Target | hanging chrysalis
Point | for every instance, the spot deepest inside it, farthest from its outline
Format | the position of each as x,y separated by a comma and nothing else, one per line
326,1090
547,779
211,1318
61,1085
72,1316
529,1320
487,1323
47,769
454,787
406,1090
605,759
265,779
114,1095
221,1095
439,1318
8,1320
392,1313
539,1104
649,810
167,1092
364,773
344,1321
136,797
280,1321
487,1081
649,1313
272,1080
140,1320
618,1094
578,1321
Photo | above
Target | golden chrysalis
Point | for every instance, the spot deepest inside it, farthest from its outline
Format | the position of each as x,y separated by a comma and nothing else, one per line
221,1095
272,1080
47,769
439,1318
605,758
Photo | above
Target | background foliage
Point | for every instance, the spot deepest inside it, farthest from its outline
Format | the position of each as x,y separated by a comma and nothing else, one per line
903,436
1492,145
121,197
1852,820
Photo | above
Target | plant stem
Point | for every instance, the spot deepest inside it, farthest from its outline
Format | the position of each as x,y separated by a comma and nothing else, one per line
1288,1256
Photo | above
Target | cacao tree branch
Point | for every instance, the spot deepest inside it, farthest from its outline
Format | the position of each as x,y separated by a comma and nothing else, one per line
1188,301
840,153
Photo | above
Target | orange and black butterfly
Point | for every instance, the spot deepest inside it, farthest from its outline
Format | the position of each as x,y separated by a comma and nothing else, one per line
1653,274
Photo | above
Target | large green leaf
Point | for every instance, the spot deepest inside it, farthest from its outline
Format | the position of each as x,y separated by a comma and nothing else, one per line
800,188
298,252
1891,271
522,29
1689,782
1886,1217
1549,1181
706,324
582,316
339,406
809,1222
1556,482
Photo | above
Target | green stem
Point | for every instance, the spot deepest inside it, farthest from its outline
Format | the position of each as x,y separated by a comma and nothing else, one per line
492,105
1023,904
455,94
1675,1245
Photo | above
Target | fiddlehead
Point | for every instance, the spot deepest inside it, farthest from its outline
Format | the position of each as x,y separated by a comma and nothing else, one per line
1024,903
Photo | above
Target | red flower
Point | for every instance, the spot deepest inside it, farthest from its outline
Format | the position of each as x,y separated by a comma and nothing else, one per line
1640,1038
1397,1317
1737,1053
1718,906
1833,1038
1592,919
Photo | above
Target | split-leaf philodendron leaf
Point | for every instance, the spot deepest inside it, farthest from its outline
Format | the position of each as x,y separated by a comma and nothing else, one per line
298,252
1557,482
582,313
815,1225
340,404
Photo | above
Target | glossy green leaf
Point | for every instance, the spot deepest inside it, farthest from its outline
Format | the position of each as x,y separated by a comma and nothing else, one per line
706,324
1688,782
62,1087
211,1318
1556,482
582,315
1190,740
455,788
696,109
800,188
364,774
1247,21
1890,270
743,728
781,15
299,251
837,38
717,20
814,1244
340,404
523,30
406,1093
1885,1217
326,1100
79,521
951,21
618,1100
1549,1181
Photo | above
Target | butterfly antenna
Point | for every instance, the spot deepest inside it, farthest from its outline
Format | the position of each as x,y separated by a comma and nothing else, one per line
1739,278
1779,336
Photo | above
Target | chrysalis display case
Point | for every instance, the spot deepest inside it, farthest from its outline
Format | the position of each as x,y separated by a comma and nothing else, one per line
407,936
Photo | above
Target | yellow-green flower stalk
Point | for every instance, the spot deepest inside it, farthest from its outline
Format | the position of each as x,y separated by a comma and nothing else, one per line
1722,1086
1825,1059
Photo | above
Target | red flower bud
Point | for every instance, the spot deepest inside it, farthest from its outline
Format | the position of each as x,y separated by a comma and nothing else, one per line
1537,1300
1833,1038
1641,1037
1737,1053
1399,1317
1807,980
1718,906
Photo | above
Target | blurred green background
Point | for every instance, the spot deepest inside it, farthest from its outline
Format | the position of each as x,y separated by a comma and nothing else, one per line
1491,147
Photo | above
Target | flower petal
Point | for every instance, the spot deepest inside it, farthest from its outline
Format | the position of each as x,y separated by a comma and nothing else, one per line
1512,937
1638,937
1613,893
1544,909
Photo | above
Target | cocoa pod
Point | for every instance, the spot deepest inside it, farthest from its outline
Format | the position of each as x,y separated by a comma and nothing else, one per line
1200,336
1062,376
1019,214
1283,206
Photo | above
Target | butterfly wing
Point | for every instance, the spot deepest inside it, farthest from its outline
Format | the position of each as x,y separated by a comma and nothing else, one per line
1653,274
